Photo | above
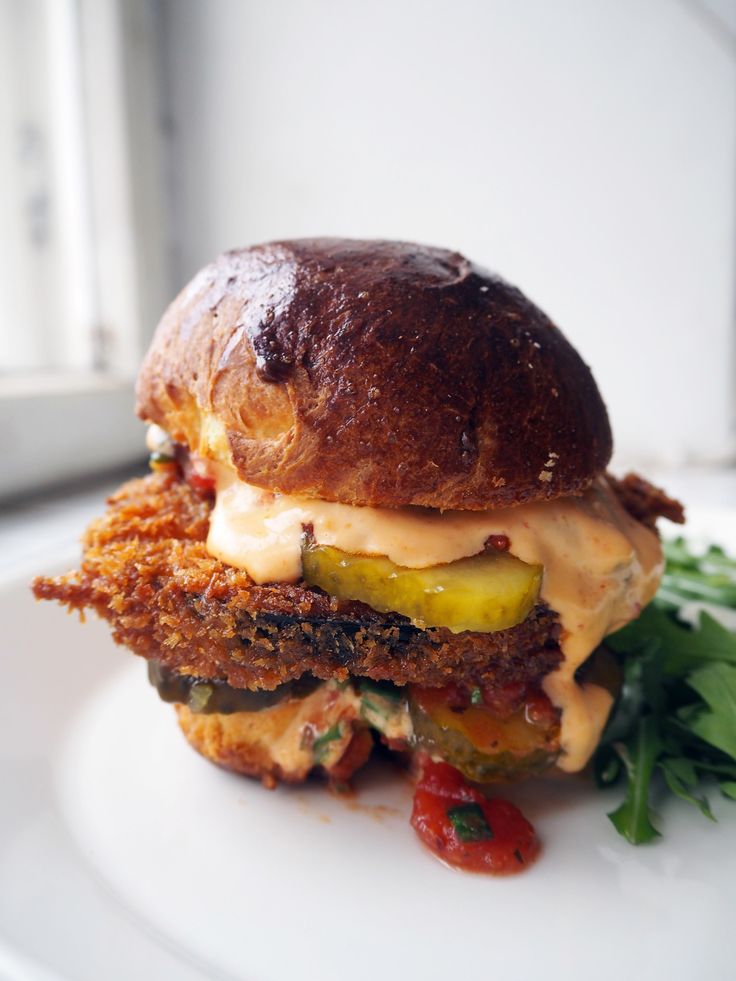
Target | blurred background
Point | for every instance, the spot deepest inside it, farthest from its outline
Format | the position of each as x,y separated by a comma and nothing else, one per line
585,151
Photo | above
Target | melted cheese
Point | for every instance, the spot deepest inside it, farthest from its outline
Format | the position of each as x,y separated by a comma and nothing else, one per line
600,565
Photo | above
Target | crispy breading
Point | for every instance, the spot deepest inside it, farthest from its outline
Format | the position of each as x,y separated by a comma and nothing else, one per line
645,502
147,571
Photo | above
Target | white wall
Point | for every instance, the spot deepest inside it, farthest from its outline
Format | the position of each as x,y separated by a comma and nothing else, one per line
585,149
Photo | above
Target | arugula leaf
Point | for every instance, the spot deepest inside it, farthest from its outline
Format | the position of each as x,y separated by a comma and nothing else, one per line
711,576
709,642
676,714
716,721
728,788
681,778
724,769
683,646
607,767
633,818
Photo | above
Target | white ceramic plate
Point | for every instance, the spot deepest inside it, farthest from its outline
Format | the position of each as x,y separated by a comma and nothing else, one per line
124,855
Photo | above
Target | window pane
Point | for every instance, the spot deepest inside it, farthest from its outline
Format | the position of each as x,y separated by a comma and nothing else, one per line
47,297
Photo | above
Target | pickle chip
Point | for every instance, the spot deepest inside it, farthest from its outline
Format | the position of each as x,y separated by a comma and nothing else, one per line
483,593
207,696
481,745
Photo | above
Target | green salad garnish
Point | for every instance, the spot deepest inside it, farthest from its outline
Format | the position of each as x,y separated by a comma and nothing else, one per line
674,726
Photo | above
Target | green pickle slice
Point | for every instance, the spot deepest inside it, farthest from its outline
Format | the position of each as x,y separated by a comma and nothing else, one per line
483,747
483,593
206,696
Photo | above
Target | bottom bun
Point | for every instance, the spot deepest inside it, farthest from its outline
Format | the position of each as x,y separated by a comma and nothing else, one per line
269,745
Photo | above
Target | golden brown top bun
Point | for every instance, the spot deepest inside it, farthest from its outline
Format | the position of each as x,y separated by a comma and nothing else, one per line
376,373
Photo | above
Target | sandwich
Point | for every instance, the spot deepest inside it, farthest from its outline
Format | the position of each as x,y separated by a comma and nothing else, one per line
378,516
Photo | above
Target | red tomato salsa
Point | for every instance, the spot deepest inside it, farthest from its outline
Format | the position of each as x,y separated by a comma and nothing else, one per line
465,829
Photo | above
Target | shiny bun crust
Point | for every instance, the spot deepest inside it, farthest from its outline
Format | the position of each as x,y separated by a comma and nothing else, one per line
374,373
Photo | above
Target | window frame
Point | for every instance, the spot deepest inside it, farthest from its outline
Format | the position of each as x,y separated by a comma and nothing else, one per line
65,424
